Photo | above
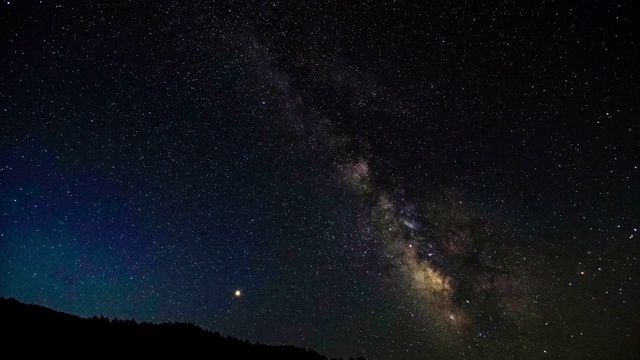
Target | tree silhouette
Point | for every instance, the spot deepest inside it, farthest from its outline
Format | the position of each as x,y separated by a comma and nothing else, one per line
37,323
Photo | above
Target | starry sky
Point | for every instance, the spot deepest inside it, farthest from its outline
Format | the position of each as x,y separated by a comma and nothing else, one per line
387,179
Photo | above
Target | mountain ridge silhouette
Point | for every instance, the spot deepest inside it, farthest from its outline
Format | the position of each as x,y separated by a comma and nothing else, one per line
35,322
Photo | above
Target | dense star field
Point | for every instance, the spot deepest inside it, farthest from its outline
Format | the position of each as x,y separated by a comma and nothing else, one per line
386,179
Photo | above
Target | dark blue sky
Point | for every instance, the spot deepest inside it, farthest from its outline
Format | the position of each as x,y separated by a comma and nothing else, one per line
378,179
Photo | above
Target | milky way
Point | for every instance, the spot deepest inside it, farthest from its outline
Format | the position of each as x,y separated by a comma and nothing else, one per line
453,264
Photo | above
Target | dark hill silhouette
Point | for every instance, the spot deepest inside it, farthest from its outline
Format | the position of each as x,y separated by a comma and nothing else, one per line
39,324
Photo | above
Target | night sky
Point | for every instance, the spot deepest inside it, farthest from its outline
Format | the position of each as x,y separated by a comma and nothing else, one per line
387,179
